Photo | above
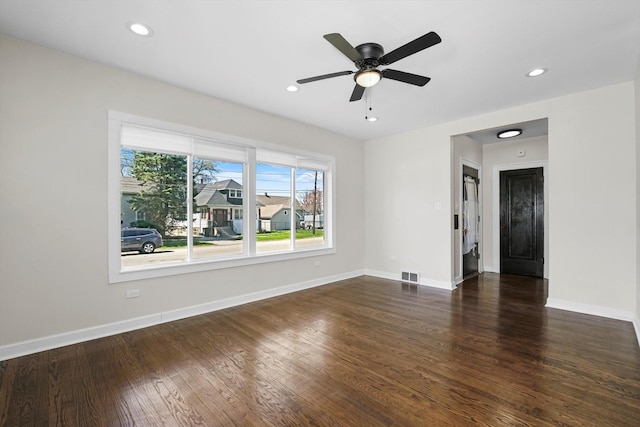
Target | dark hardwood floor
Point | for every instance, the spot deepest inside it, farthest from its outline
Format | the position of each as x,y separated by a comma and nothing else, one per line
360,352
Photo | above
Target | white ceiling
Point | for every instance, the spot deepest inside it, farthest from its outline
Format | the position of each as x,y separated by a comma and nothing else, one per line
530,129
249,51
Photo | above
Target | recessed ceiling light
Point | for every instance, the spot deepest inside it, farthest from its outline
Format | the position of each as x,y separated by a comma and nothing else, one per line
292,88
536,72
140,29
510,133
372,119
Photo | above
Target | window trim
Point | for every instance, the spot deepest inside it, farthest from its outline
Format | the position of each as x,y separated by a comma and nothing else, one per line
255,149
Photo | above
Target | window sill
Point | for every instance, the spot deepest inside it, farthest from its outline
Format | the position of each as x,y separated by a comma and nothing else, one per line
118,275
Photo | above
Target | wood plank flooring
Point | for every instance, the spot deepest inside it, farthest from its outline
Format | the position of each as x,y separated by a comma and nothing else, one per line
360,352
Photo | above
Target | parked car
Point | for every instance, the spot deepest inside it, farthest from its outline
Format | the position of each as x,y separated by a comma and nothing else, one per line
143,240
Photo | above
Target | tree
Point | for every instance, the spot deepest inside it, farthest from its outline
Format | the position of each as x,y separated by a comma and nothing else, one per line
312,202
310,199
164,197
204,171
164,180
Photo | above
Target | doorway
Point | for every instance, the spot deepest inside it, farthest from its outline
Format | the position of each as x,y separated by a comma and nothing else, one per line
470,221
219,217
522,222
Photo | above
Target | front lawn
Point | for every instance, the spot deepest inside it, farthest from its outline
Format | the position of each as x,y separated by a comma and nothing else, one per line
266,236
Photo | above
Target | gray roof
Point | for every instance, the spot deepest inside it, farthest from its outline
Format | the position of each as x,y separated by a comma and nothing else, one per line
210,194
266,200
130,185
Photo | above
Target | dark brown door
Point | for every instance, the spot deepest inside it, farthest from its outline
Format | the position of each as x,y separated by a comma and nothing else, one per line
219,217
522,222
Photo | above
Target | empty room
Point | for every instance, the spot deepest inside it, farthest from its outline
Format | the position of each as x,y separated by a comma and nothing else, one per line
319,213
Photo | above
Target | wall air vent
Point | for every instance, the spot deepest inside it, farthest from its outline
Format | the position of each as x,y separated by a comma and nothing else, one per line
410,277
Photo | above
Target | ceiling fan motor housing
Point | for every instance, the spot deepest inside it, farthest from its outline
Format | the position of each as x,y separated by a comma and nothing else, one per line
371,53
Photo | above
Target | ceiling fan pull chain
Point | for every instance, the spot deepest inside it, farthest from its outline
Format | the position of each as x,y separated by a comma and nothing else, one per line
367,103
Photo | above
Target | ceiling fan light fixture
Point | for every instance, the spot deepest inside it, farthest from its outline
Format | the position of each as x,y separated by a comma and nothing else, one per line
368,78
509,133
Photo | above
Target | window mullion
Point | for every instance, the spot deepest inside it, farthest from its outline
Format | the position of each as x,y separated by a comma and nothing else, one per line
250,217
189,207
292,204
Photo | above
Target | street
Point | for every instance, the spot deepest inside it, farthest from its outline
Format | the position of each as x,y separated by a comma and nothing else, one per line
210,250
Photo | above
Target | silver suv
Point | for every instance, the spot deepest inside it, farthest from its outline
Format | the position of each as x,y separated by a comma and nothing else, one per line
143,240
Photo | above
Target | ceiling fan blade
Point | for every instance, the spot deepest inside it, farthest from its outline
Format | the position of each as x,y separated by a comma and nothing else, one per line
401,76
410,48
324,76
343,46
358,91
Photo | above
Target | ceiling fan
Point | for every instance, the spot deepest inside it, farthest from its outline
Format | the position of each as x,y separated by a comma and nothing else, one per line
367,57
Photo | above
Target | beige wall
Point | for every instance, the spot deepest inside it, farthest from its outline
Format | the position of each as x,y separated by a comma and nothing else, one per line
592,196
53,187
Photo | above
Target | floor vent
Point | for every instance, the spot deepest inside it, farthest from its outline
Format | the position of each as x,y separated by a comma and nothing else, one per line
410,277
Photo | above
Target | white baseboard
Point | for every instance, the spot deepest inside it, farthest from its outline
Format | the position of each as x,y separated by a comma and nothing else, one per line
593,310
440,284
490,269
596,310
73,337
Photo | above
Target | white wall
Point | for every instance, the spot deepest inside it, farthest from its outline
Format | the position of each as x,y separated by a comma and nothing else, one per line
53,187
53,182
465,150
637,102
592,198
408,205
501,156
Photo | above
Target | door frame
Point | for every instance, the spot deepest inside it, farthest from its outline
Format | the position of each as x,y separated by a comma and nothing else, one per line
476,166
544,164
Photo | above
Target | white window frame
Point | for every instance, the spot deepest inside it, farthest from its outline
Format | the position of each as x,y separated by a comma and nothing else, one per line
208,141
235,193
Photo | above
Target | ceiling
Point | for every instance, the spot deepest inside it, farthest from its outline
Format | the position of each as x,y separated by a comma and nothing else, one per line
248,52
530,129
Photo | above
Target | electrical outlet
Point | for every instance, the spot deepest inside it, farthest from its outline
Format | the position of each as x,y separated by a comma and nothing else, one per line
133,293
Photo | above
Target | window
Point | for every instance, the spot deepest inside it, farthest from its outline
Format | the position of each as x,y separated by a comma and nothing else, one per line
235,194
273,194
310,208
217,232
188,185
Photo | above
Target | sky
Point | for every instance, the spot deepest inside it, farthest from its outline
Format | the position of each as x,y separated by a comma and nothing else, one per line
271,179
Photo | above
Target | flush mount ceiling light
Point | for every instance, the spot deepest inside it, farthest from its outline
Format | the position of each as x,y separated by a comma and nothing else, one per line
140,29
292,88
536,72
368,78
510,133
371,119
